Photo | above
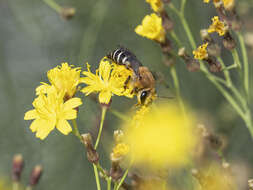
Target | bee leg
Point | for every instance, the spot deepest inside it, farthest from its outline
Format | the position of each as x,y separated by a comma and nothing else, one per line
127,81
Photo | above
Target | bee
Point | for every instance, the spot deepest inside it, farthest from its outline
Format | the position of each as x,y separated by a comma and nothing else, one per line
142,80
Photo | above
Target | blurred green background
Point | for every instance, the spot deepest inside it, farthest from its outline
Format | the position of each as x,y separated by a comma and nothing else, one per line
34,39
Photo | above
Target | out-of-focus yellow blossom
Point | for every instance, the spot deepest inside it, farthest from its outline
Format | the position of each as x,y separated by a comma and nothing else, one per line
152,28
64,78
229,4
206,1
109,80
139,115
215,177
201,52
156,5
153,185
51,111
218,26
120,150
164,138
217,3
4,185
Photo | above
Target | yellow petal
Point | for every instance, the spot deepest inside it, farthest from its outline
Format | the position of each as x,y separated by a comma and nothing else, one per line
105,97
34,125
105,70
72,103
64,127
69,114
44,128
31,114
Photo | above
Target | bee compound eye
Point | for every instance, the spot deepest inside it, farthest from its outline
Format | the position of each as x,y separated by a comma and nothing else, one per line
143,96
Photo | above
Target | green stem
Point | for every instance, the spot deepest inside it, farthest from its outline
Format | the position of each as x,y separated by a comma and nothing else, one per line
236,58
230,67
75,130
15,186
96,145
101,126
174,36
182,8
53,5
109,183
226,72
122,179
245,62
96,176
177,87
119,115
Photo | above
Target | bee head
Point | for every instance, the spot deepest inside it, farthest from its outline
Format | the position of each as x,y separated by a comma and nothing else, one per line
146,96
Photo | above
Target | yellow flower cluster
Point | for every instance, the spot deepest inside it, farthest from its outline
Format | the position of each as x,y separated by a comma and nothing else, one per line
218,26
64,78
109,80
152,28
228,4
51,111
164,138
156,5
201,52
120,150
55,103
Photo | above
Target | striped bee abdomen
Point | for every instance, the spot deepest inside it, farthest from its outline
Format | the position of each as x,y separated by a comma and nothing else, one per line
123,56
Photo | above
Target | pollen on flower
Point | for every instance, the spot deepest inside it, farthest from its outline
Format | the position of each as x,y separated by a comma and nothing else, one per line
218,26
164,138
64,78
109,80
120,150
201,52
156,5
206,1
51,111
228,4
152,28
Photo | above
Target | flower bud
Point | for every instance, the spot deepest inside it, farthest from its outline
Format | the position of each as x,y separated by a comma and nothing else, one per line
167,22
118,136
92,154
68,12
17,167
205,36
35,175
166,46
116,172
191,64
228,41
215,66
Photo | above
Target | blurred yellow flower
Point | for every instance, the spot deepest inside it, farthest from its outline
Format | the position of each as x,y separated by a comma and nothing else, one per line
152,184
156,5
218,26
229,4
206,1
51,111
164,138
214,177
201,52
217,3
109,80
4,185
151,28
63,78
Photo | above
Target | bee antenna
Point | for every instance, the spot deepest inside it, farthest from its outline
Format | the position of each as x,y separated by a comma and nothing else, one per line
165,97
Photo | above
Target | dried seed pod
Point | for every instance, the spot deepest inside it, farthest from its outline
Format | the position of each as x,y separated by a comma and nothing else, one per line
191,64
17,167
35,175
92,154
167,22
68,12
228,41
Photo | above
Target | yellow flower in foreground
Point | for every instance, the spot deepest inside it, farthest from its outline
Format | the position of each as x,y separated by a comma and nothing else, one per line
229,4
156,5
164,138
109,80
201,52
51,111
214,178
152,28
64,78
218,26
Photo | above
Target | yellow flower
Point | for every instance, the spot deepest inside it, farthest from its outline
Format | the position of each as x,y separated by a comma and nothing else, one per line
214,177
139,115
206,1
218,26
217,3
120,150
51,111
201,52
108,80
63,78
228,4
152,28
164,138
156,5
152,184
